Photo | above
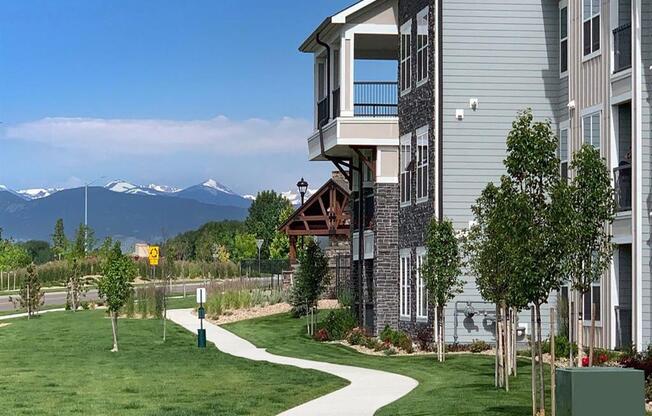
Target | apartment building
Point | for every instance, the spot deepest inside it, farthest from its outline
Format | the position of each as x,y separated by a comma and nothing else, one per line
426,141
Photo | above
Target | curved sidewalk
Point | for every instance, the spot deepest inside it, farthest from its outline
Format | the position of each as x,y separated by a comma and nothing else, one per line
369,389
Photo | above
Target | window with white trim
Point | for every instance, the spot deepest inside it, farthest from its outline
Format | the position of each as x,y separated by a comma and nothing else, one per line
591,30
593,296
406,268
591,129
422,46
422,164
422,292
563,38
562,152
406,57
406,169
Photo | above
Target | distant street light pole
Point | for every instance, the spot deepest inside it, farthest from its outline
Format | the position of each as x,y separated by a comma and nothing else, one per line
86,210
302,185
259,243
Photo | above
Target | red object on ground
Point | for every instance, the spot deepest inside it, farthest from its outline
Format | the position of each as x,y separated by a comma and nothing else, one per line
585,361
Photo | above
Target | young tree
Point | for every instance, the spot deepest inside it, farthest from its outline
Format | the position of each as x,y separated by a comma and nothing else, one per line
84,241
593,210
245,247
115,286
310,281
31,294
39,251
59,240
264,217
441,271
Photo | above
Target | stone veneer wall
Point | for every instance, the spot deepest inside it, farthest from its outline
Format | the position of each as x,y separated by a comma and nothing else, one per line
386,266
417,109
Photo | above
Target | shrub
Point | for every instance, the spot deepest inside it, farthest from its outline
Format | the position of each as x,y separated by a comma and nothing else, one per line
357,336
258,298
85,305
214,306
390,351
639,361
322,335
398,339
130,306
562,347
338,323
457,347
648,389
424,338
478,346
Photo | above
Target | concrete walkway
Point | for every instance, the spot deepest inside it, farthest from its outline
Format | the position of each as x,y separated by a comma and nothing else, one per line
24,314
369,389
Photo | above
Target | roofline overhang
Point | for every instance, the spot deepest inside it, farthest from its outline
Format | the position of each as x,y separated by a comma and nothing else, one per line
310,44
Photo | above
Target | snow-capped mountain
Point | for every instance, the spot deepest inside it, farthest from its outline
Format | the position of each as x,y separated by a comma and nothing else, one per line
213,192
164,189
38,193
4,188
125,187
295,197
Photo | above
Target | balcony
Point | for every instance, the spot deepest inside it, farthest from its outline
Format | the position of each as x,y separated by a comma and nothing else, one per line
623,187
622,47
376,99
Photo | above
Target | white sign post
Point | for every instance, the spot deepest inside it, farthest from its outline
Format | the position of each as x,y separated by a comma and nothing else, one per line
201,332
201,295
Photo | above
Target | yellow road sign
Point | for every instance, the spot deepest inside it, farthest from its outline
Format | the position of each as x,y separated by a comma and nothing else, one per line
154,253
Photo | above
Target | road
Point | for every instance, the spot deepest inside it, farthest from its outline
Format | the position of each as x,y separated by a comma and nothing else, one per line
59,298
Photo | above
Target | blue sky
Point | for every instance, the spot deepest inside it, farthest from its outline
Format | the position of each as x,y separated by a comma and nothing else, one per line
171,92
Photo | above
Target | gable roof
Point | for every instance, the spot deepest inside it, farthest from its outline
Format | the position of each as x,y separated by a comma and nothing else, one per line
325,213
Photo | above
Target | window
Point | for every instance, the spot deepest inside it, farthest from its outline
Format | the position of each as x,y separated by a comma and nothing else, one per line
405,283
422,164
422,293
406,57
563,152
406,169
591,31
563,39
591,129
422,46
592,297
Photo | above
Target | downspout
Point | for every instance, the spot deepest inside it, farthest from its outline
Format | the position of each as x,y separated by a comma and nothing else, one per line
328,74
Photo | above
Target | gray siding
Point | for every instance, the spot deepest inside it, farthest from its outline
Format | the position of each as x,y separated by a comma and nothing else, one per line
646,114
506,54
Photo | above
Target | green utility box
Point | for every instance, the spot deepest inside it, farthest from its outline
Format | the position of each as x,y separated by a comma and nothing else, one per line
600,391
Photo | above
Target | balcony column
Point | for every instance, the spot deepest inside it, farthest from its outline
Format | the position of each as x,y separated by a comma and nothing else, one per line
347,65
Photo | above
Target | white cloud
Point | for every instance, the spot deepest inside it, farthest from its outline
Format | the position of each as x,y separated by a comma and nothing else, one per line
142,136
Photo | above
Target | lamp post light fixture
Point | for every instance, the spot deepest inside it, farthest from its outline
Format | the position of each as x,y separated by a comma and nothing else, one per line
302,185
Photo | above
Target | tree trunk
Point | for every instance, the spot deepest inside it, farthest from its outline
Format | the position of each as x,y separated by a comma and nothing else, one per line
496,349
501,354
514,338
442,319
552,362
506,342
592,337
571,324
580,328
533,364
114,326
542,386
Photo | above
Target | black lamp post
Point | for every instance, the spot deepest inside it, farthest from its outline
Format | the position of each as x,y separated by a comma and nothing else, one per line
302,185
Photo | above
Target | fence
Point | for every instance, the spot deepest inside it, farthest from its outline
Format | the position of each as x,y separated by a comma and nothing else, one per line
252,268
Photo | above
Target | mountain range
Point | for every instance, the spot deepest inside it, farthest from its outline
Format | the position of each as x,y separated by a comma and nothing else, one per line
146,213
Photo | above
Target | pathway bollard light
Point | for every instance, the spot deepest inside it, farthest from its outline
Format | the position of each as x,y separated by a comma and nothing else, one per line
201,313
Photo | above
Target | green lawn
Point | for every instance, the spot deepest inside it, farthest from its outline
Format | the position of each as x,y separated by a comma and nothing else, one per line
463,386
60,364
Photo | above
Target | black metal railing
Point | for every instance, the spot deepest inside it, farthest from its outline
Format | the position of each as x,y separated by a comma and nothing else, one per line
622,47
623,187
336,103
376,99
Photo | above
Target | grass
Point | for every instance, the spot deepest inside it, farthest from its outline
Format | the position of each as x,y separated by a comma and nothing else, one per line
60,364
464,385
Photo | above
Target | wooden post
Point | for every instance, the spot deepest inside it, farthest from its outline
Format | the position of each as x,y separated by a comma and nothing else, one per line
580,328
293,249
533,369
507,349
496,360
570,328
552,362
514,337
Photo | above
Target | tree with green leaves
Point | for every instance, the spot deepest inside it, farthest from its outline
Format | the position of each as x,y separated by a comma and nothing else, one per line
265,217
12,256
518,245
39,251
245,247
84,241
31,294
310,280
59,240
115,286
593,211
441,271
